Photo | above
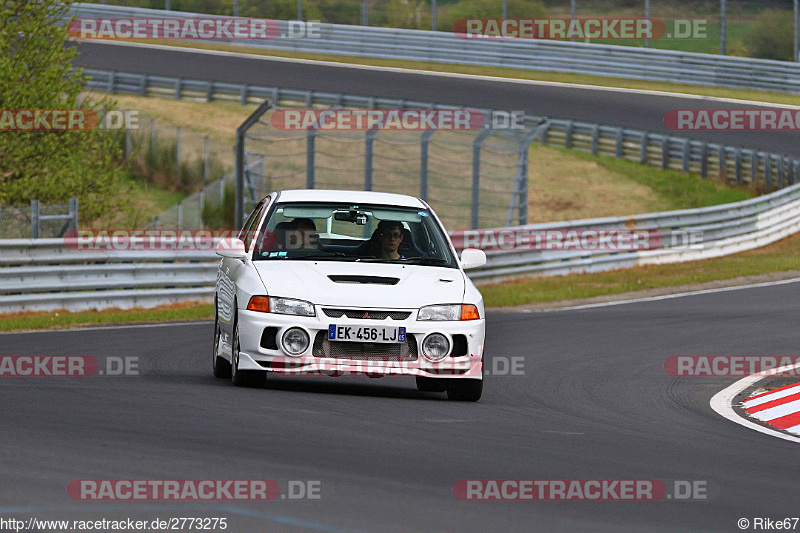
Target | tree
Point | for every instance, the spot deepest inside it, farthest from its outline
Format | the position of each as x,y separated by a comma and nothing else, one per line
52,166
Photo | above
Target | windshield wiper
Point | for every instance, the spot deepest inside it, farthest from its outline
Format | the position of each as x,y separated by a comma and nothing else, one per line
422,260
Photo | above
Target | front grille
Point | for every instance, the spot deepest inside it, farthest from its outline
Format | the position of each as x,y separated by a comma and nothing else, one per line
373,280
365,351
366,314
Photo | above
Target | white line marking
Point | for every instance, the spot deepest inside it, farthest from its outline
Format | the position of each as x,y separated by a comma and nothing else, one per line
795,430
722,403
451,74
100,328
768,397
663,296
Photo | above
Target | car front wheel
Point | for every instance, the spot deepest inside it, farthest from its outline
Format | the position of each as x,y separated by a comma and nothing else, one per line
220,367
243,378
465,390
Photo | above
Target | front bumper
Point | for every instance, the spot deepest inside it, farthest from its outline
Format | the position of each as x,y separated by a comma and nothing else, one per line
254,355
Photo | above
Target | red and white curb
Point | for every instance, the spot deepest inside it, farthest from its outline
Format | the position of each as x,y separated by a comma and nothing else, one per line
775,408
779,408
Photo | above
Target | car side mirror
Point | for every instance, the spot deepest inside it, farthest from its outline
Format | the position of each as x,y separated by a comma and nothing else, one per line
472,258
231,247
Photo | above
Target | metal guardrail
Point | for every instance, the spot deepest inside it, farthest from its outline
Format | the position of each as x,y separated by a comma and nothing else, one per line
734,163
554,56
45,274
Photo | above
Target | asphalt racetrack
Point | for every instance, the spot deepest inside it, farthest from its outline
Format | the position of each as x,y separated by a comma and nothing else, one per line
641,111
593,402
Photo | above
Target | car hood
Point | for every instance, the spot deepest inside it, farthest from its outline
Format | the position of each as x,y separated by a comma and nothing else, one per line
308,280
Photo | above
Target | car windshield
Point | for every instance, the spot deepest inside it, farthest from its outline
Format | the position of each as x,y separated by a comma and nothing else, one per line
342,232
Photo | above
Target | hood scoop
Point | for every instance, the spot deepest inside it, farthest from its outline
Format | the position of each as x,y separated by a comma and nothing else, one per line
364,280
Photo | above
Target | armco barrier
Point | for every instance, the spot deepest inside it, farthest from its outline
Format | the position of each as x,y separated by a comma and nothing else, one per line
45,274
555,56
737,164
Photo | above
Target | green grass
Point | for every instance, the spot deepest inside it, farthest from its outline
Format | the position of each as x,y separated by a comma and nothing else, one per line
676,190
782,256
66,320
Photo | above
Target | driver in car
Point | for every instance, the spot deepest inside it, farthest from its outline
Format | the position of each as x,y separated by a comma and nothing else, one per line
390,235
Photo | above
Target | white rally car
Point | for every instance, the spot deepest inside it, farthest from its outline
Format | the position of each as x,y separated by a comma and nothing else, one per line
335,283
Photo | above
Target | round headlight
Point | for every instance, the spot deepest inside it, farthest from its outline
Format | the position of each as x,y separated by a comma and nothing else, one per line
435,347
295,341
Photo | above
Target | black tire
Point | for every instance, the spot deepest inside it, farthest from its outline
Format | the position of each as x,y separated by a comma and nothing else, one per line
220,367
243,378
425,384
465,390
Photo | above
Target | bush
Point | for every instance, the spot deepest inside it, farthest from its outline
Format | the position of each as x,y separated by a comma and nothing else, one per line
221,216
772,37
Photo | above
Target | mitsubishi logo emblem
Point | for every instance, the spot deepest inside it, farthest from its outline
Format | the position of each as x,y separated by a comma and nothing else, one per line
366,315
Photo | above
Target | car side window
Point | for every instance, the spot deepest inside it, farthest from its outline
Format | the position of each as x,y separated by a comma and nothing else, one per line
250,227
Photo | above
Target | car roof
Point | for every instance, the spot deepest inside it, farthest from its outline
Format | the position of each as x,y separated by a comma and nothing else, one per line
349,197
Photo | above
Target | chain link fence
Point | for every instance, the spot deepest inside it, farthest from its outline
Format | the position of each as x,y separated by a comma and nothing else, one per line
472,178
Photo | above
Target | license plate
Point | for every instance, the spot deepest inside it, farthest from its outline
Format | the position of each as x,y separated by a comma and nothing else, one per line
366,334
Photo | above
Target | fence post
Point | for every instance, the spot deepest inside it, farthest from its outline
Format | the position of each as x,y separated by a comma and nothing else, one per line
595,138
545,132
311,154
127,144
180,215
206,150
143,85
178,150
73,211
152,136
111,82
620,138
202,205
243,95
423,163
476,177
369,138
35,212
210,91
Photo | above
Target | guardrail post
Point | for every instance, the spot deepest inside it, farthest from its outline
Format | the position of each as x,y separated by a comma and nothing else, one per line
143,85
643,148
665,153
276,93
243,95
738,164
35,212
111,82
620,137
768,171
753,167
423,163
793,175
780,172
721,156
704,160
209,91
152,136
687,148
177,88
309,98
311,137
595,138
73,211
476,177
369,138
545,132
568,135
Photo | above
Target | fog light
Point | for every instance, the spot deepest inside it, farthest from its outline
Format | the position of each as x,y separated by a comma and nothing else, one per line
435,347
295,341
